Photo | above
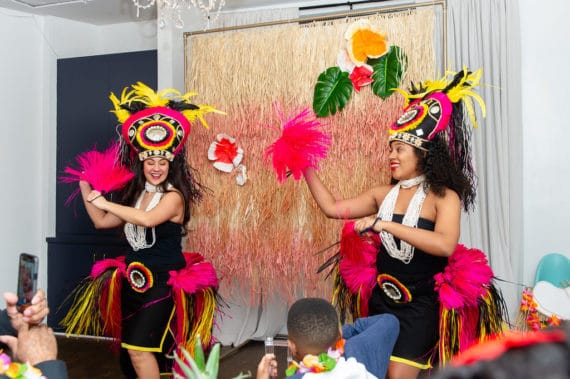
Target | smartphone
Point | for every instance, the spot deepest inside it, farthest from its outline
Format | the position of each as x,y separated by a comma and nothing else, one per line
27,280
270,349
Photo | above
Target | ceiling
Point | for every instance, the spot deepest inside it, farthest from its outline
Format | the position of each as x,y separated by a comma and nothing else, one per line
104,12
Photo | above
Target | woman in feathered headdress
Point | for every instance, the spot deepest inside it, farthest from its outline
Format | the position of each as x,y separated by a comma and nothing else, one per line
157,297
417,218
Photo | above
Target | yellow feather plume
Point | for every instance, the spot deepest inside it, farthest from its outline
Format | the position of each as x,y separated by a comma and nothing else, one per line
463,90
122,114
193,114
186,97
169,93
142,93
148,96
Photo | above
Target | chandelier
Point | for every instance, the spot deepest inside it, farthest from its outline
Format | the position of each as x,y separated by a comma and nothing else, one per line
171,10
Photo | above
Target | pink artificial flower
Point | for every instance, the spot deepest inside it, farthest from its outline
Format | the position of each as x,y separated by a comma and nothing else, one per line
361,76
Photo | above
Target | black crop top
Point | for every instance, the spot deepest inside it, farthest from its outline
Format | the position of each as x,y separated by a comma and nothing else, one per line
166,253
422,267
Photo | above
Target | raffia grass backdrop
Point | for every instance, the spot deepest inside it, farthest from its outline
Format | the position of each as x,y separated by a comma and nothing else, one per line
264,237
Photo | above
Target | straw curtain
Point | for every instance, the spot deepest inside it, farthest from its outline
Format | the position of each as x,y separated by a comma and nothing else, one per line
263,237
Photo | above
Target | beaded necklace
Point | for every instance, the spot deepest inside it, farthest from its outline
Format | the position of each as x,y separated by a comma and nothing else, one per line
136,234
406,251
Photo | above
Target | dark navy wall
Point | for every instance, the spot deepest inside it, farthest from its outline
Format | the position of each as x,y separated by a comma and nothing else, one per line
84,121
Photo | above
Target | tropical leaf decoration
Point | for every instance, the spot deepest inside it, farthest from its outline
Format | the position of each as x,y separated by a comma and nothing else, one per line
388,71
198,367
367,59
332,92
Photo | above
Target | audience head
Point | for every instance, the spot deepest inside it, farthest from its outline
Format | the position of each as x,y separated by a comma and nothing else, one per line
313,326
543,354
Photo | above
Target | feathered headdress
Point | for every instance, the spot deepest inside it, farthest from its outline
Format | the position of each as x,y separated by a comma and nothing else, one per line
437,106
443,106
157,123
152,124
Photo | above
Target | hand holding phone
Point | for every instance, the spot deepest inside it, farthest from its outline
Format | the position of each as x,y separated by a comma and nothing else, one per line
27,280
32,315
270,349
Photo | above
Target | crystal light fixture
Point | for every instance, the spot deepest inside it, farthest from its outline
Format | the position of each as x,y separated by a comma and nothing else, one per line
172,10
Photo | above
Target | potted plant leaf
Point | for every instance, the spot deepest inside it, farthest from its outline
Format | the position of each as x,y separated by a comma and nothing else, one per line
198,367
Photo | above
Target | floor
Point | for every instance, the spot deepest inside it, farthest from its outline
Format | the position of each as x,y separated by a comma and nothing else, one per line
89,358
92,358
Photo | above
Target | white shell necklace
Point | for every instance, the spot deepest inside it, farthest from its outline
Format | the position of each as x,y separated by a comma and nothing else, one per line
136,234
406,251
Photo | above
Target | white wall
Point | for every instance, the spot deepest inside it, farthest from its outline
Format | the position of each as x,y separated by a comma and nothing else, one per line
20,145
546,152
31,46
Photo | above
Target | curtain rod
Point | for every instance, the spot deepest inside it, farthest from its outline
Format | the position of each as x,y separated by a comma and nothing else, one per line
364,12
347,4
324,17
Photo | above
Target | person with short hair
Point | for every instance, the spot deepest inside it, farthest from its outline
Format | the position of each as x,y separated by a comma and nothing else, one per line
323,349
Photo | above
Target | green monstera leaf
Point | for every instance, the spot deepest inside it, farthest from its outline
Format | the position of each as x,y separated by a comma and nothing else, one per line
388,71
332,92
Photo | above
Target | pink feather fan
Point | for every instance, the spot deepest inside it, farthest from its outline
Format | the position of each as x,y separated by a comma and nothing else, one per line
301,145
101,169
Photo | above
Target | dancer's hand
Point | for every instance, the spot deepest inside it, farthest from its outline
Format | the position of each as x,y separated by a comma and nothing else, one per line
96,198
85,186
368,224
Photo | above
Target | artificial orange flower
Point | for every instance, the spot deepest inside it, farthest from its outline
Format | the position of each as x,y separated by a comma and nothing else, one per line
312,362
365,42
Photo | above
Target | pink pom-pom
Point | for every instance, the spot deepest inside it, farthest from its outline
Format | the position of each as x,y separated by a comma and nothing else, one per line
358,262
449,297
100,169
192,258
104,264
464,279
301,145
360,249
197,275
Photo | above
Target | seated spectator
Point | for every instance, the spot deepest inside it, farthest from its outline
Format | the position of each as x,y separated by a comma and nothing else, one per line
361,350
29,342
543,354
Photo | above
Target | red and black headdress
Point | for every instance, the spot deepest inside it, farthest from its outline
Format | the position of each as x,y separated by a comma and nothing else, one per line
157,123
440,106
